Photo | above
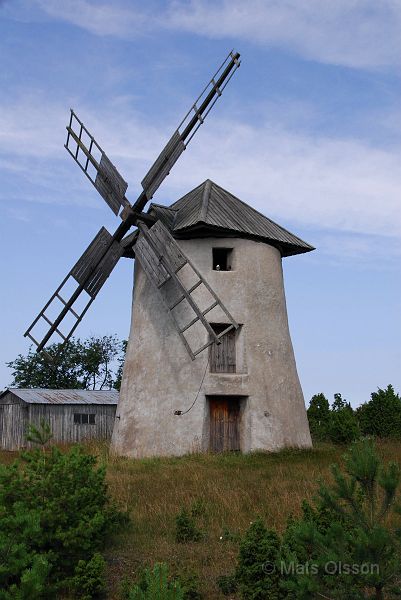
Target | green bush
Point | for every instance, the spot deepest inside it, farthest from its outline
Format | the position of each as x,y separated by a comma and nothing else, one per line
23,571
89,580
155,585
189,583
186,529
338,425
227,584
55,512
256,573
343,425
381,416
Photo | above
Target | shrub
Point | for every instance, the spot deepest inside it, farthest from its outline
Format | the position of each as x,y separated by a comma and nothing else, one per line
189,583
338,424
89,580
155,585
256,572
381,416
23,572
186,529
227,584
61,502
343,425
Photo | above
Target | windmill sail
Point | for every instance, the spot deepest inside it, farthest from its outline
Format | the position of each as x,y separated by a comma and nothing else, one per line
190,124
89,274
163,165
164,262
92,159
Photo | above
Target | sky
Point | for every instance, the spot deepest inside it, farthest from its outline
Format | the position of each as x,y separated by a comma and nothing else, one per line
308,132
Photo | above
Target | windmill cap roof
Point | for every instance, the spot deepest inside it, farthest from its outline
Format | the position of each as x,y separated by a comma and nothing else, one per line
210,210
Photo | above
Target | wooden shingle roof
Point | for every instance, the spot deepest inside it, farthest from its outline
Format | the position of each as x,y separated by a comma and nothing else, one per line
210,210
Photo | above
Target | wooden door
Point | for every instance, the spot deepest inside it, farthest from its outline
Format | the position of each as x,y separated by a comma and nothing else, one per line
223,356
224,424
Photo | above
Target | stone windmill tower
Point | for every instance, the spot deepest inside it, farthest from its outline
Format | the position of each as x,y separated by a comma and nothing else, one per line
242,394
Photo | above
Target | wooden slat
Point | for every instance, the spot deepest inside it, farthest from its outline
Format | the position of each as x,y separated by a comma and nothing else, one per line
223,356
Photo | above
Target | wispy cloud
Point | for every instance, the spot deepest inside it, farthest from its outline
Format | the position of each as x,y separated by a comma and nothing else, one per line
360,33
312,180
364,250
100,18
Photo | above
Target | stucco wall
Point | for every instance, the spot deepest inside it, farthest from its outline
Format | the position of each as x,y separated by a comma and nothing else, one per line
160,378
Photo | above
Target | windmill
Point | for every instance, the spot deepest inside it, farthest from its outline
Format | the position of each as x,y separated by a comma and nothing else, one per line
209,363
155,248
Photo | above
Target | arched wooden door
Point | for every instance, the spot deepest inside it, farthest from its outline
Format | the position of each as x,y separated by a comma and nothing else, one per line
224,424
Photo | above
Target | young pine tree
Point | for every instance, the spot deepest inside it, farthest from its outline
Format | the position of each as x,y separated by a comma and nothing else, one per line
358,554
256,574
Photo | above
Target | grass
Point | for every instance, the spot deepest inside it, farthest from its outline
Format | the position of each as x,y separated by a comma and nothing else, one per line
232,490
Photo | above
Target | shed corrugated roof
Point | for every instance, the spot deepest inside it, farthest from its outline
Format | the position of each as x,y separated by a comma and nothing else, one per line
211,210
44,396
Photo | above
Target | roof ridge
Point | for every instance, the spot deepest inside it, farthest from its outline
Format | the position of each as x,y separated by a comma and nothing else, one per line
205,199
184,196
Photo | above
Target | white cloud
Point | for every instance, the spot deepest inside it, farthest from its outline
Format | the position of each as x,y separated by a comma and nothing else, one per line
354,33
100,18
302,179
317,181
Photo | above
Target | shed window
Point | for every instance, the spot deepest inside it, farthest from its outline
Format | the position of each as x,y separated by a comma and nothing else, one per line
222,259
84,419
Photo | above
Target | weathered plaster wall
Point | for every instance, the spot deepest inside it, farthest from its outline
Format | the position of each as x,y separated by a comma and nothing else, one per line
160,378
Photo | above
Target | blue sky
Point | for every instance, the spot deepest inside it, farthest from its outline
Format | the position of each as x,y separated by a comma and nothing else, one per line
308,132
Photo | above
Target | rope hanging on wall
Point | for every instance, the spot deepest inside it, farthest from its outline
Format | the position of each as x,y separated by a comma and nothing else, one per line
184,412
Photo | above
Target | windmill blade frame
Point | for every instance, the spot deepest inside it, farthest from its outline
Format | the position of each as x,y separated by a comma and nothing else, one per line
90,272
108,181
162,260
93,268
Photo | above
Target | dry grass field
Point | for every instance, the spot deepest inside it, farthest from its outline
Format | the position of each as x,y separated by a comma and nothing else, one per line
232,488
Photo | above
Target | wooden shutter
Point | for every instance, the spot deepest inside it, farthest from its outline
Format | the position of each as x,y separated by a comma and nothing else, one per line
223,356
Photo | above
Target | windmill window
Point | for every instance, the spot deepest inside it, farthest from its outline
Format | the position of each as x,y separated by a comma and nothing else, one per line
222,259
84,419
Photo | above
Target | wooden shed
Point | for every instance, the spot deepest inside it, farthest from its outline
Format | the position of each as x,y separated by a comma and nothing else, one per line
74,415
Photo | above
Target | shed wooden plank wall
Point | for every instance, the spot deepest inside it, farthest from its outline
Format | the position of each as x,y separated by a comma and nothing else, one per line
13,424
61,419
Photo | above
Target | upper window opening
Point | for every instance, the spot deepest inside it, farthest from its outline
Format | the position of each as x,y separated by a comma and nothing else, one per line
222,259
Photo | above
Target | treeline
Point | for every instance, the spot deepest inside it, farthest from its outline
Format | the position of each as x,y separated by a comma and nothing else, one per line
341,424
